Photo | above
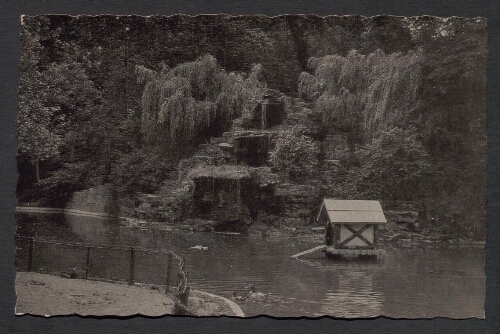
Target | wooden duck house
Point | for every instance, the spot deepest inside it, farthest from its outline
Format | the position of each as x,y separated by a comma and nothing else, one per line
351,226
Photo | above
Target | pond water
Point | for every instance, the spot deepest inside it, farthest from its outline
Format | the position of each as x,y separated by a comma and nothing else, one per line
413,282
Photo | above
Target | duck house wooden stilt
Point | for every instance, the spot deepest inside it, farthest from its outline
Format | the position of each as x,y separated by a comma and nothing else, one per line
351,227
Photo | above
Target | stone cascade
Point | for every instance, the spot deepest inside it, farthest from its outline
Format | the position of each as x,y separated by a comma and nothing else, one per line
219,163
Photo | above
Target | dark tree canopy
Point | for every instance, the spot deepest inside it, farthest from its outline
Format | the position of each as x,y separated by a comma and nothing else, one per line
409,89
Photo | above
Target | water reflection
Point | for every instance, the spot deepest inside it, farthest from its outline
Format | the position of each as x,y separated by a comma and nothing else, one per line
352,294
94,230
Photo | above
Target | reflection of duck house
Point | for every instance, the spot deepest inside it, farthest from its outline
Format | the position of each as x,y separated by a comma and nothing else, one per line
351,227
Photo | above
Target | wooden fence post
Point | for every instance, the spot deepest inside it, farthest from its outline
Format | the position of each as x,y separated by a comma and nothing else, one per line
169,271
30,255
132,266
87,264
182,292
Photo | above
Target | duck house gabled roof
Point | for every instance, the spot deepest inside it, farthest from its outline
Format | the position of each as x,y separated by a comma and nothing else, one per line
352,211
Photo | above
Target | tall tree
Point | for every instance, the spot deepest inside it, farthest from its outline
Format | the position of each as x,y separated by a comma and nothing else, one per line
62,116
36,133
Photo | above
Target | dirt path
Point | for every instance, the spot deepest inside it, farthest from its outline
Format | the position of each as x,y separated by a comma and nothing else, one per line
42,294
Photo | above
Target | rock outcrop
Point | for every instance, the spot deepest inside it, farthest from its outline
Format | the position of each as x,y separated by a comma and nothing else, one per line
297,203
95,200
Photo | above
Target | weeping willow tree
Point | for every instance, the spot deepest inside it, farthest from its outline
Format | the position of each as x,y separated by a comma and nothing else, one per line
180,104
371,93
375,96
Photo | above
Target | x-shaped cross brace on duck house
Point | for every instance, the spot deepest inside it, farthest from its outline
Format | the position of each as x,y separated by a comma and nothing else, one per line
356,234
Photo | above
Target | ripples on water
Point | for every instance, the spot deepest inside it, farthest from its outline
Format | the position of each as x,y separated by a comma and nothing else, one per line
409,283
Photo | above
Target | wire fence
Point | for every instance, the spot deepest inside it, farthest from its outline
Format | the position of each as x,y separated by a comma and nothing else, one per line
101,262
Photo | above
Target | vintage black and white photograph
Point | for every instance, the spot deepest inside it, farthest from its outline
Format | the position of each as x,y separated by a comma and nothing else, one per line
289,166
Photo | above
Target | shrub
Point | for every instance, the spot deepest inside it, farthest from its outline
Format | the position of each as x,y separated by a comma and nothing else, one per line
294,154
56,189
391,167
144,170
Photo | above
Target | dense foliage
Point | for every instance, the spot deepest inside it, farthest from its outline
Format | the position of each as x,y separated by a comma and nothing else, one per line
36,131
143,171
453,123
69,132
184,103
421,119
412,99
369,93
294,154
391,167
373,96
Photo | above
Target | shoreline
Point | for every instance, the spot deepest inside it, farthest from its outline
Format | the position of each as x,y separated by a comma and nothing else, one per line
399,237
235,308
303,234
33,209
51,295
